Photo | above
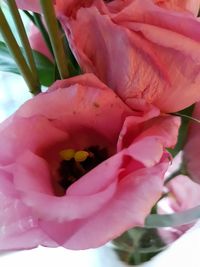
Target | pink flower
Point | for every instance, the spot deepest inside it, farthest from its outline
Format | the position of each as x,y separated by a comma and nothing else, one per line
139,49
183,194
192,147
78,167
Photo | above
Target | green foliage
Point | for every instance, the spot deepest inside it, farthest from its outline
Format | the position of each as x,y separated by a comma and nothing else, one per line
138,245
45,68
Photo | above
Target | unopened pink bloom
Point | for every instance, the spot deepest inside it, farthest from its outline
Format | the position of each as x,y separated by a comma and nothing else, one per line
118,193
139,49
192,147
37,42
33,5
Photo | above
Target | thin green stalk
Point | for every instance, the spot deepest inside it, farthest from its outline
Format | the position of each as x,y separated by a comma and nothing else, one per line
55,37
29,16
9,38
186,116
23,37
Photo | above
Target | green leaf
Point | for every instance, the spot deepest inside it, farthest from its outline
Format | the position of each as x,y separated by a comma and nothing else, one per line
46,69
7,63
44,66
173,220
138,245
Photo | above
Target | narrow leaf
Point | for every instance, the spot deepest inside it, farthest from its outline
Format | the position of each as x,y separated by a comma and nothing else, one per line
173,220
185,120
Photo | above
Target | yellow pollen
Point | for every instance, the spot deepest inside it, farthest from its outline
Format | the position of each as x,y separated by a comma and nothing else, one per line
81,155
67,154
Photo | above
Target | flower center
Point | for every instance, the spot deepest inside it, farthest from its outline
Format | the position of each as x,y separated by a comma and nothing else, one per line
75,164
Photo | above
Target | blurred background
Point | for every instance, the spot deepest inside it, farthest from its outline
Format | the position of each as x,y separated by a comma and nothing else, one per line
13,92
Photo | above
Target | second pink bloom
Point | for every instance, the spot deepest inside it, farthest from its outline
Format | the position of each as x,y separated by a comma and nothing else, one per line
139,49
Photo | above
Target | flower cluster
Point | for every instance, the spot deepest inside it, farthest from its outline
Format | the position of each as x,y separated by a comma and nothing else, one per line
85,161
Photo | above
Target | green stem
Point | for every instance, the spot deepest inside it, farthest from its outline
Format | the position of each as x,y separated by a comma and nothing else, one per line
55,37
23,37
17,55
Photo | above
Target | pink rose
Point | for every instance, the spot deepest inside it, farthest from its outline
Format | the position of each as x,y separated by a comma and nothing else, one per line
78,167
192,147
139,49
177,200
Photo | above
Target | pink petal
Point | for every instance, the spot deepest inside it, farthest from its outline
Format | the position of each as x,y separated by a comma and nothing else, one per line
131,204
190,5
18,226
82,101
27,133
31,173
163,128
181,187
177,200
67,208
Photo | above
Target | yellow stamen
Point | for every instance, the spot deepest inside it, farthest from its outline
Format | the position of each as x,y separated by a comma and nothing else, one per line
67,154
81,155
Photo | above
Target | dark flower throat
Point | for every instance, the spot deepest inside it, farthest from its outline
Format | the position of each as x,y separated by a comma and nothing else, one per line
71,170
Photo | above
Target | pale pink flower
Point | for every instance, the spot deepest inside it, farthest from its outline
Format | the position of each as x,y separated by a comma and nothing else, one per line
40,204
183,194
192,147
